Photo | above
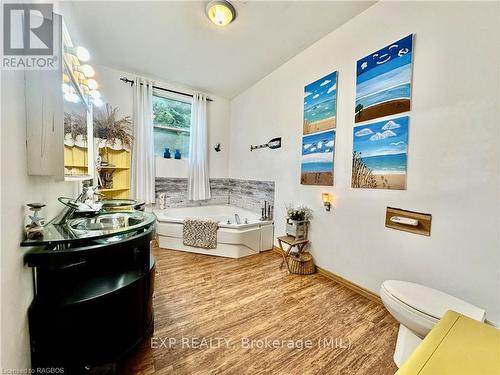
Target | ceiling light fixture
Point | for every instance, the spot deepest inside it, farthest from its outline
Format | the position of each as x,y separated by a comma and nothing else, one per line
221,12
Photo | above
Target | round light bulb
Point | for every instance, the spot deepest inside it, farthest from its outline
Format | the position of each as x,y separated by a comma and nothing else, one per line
98,102
83,54
87,70
92,84
95,94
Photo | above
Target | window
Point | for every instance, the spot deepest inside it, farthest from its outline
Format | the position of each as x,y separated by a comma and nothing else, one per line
172,125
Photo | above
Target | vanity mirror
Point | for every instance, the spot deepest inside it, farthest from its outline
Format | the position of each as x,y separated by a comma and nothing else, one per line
59,132
78,130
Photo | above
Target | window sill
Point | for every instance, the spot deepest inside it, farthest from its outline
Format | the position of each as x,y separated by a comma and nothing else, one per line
162,158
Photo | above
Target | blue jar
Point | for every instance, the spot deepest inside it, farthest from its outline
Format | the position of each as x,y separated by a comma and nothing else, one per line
166,154
177,154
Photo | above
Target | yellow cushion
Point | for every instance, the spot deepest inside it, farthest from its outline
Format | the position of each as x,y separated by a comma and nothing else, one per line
457,345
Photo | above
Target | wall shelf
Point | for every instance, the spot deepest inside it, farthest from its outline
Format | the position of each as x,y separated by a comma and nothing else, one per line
114,189
120,161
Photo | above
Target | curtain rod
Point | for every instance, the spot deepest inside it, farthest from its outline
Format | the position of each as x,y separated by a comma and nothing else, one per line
126,80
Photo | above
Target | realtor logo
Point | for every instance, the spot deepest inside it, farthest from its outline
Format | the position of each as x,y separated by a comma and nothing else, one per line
28,36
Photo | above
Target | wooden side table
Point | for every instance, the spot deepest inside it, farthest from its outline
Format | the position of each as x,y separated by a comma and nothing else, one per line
291,242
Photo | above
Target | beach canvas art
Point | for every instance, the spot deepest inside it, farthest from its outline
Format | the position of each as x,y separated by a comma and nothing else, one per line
383,81
380,154
317,158
320,104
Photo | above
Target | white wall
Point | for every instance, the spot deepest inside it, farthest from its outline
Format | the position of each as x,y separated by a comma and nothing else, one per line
119,95
18,189
453,157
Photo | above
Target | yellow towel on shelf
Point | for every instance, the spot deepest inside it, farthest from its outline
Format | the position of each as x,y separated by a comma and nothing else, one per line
457,345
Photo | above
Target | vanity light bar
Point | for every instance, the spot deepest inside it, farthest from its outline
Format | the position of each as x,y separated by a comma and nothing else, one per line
83,74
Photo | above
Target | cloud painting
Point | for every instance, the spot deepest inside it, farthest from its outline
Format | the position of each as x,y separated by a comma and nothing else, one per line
383,81
317,158
320,104
380,154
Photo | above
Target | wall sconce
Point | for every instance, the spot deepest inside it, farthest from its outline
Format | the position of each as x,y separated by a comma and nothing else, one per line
326,198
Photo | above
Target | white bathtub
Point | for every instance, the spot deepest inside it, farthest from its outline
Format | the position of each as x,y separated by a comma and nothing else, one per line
233,240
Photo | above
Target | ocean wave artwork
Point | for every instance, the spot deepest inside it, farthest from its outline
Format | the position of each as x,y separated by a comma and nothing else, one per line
320,104
380,154
317,158
383,81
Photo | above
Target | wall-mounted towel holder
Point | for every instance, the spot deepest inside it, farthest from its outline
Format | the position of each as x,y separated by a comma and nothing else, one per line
272,144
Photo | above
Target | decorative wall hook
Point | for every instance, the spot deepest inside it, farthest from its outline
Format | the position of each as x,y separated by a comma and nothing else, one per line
272,144
217,147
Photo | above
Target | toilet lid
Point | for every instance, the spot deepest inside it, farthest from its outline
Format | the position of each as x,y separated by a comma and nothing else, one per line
430,301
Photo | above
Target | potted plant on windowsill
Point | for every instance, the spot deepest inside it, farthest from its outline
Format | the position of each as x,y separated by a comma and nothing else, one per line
297,221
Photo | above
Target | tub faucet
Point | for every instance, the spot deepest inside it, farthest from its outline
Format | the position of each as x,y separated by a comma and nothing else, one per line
237,219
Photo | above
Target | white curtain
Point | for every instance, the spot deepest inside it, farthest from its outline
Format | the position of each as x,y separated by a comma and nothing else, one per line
143,169
198,182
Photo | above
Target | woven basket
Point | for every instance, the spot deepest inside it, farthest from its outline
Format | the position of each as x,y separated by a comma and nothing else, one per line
302,264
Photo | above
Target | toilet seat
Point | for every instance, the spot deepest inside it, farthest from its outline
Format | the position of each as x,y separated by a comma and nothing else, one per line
428,301
410,317
418,308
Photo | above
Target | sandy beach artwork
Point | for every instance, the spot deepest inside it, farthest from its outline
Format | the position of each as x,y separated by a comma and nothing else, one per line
317,158
380,154
383,81
320,104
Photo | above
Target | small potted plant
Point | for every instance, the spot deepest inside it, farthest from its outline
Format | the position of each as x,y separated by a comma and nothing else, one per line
297,221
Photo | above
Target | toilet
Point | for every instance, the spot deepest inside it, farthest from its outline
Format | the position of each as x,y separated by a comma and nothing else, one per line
418,308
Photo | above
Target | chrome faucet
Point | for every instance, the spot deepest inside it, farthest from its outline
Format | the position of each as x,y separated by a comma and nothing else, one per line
237,219
70,208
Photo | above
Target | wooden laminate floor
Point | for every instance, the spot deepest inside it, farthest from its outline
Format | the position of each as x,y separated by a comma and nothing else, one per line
198,296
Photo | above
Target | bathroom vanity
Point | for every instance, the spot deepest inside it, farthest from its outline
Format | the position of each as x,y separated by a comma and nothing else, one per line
93,283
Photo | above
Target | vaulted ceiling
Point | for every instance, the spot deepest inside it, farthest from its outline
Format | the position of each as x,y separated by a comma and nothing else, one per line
175,41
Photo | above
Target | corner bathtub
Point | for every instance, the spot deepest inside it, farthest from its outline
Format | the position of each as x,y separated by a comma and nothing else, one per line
233,240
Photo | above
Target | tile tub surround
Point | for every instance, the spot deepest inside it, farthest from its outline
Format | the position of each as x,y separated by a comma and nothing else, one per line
247,194
250,194
176,192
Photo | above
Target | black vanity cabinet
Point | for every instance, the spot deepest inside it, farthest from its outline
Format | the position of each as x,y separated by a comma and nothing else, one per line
93,300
